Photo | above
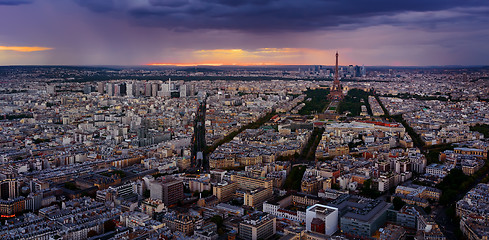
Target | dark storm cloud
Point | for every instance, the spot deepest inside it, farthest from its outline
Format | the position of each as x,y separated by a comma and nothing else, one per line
277,15
97,5
15,2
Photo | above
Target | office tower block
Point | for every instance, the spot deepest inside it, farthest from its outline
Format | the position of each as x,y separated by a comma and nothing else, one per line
9,188
130,89
147,89
169,190
258,225
110,89
154,89
100,87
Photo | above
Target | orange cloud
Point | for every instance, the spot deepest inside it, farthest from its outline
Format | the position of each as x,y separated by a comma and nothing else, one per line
255,57
24,49
240,53
215,64
185,64
263,55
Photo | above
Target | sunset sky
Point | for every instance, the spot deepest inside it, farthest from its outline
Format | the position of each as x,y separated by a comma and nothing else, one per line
262,32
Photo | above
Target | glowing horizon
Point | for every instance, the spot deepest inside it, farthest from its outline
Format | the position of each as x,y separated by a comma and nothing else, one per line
24,48
217,64
253,57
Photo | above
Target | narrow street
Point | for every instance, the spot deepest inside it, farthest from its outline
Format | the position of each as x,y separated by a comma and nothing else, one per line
444,221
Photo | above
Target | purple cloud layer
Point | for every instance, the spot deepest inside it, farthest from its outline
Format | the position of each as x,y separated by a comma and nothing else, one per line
127,32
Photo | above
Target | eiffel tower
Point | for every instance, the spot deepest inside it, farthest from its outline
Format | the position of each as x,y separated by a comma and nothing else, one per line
336,93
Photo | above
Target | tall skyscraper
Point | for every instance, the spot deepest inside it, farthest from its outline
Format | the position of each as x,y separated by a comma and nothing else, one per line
136,89
183,91
110,89
117,89
154,89
147,89
130,90
100,87
87,89
351,70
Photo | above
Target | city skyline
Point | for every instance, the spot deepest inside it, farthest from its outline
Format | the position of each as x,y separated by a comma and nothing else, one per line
244,119
243,33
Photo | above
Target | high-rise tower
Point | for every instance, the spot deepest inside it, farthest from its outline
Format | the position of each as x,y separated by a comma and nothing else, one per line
336,92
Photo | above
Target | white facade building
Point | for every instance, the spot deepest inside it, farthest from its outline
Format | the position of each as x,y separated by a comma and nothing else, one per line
329,215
